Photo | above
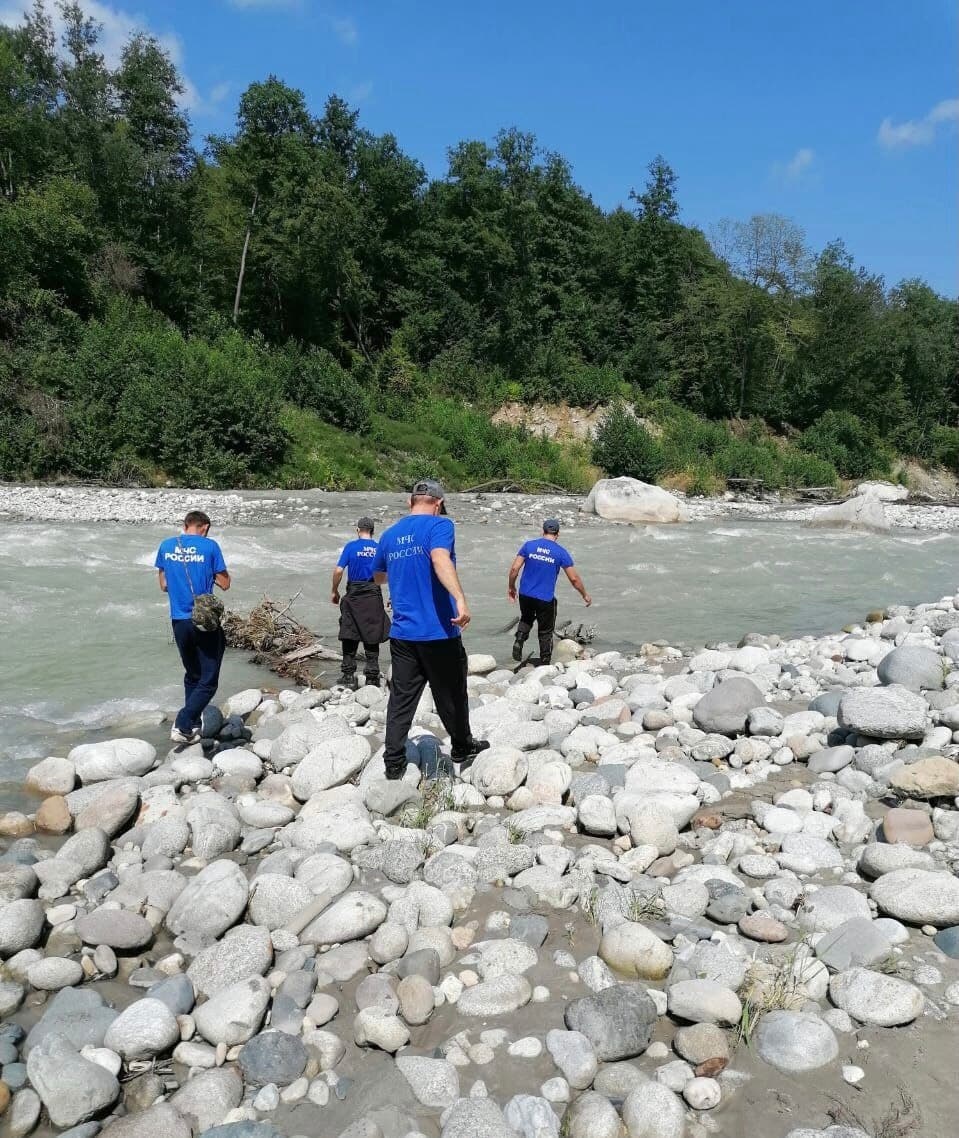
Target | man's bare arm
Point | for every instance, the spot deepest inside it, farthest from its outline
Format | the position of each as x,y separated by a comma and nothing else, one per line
379,578
446,571
161,580
577,582
223,580
514,572
337,578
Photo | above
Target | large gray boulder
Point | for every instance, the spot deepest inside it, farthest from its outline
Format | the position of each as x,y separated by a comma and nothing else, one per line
726,707
874,998
244,951
211,903
884,713
913,667
21,923
208,1097
918,896
79,1014
865,513
71,1087
629,500
112,758
158,1121
795,1041
330,764
235,1013
618,1021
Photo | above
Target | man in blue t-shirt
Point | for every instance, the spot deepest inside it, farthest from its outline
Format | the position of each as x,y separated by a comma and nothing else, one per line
362,615
540,561
188,566
417,557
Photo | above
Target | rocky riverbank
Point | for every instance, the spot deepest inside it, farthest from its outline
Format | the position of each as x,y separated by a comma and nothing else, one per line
165,507
679,896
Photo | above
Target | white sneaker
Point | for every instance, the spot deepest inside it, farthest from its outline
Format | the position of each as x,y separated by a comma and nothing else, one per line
177,736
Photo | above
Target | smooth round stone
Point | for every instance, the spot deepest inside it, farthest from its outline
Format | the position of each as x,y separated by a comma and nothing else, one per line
701,1042
273,1057
874,998
702,1094
54,973
116,928
763,927
795,1041
919,897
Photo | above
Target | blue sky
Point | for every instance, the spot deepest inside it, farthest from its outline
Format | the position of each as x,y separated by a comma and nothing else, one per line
841,114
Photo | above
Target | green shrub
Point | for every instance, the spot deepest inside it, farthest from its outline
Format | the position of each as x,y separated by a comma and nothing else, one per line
851,446
623,446
944,447
316,382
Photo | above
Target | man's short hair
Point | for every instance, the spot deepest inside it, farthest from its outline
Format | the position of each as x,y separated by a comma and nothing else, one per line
365,525
196,518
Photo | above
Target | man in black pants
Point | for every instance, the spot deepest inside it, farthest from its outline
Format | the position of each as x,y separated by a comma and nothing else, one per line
188,566
362,615
540,561
417,557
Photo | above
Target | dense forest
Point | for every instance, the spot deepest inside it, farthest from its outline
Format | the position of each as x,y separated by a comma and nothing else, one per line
298,303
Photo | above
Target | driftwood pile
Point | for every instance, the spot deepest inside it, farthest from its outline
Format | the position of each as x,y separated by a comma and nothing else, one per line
279,641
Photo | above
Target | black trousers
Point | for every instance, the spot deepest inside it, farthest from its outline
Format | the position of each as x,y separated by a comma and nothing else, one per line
543,615
416,663
202,655
372,669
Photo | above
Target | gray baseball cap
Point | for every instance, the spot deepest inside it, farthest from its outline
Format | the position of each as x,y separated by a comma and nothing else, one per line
431,488
551,525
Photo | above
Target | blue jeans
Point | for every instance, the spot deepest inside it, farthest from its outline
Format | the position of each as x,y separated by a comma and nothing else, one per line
202,655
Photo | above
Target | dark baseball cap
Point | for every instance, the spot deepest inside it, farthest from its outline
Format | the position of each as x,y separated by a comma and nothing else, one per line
429,487
365,525
551,525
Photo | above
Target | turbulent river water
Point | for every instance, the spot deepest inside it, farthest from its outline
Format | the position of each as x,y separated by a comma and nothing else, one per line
86,644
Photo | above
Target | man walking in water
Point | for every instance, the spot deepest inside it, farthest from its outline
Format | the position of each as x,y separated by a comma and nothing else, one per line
188,567
362,615
540,561
417,557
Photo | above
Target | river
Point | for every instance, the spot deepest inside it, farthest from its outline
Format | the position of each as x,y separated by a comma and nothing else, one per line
87,642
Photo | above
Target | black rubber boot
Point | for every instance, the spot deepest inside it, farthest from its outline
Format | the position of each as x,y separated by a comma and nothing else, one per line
518,648
473,748
349,680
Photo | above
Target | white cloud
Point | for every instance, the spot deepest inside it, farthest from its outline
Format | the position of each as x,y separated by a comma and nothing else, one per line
220,92
917,132
118,26
800,164
346,30
359,93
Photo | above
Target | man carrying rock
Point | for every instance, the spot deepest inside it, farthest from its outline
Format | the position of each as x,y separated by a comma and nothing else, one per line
362,615
188,566
417,557
540,561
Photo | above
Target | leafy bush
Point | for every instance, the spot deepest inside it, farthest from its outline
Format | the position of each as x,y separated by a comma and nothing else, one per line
623,446
848,444
944,447
315,381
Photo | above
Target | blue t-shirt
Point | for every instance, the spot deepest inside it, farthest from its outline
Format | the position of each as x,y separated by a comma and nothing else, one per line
357,559
200,557
543,560
422,608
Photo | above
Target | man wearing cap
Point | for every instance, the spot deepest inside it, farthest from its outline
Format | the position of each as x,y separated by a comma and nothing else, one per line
362,615
417,557
540,561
